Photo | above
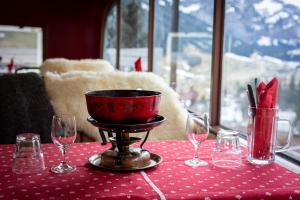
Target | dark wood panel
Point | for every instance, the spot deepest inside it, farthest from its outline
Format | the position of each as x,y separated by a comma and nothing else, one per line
72,29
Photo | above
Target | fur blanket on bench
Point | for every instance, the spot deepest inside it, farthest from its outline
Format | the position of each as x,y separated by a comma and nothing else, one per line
66,92
62,65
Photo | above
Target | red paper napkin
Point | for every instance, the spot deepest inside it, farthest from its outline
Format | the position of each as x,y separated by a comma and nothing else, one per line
138,65
265,119
267,94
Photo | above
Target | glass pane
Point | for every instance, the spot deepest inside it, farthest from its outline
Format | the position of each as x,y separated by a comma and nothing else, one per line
262,40
110,36
20,47
134,33
183,48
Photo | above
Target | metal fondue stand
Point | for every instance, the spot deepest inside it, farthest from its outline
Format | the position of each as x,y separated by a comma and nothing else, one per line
121,157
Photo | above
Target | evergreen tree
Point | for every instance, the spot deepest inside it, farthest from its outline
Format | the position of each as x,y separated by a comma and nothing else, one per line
132,23
110,31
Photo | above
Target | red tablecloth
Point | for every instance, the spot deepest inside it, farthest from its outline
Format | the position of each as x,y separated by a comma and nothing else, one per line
171,177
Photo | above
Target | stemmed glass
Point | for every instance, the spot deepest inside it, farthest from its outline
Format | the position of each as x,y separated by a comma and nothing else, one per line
63,134
197,130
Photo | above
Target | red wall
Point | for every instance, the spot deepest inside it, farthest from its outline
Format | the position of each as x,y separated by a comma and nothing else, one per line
72,29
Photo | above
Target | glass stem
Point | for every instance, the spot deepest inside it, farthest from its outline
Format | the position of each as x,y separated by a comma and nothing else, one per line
196,152
63,153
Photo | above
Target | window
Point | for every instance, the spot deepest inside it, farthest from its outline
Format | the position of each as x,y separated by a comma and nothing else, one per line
261,39
22,46
133,34
134,29
183,48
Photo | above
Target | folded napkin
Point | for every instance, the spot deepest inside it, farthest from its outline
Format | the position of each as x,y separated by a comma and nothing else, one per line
138,65
265,119
267,94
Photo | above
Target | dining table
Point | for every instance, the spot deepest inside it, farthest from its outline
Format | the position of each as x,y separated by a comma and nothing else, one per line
171,179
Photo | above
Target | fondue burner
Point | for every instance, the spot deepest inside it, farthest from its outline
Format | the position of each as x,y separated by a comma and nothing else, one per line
120,156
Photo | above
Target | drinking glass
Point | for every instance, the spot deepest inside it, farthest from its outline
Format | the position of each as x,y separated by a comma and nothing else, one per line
227,152
197,130
28,157
63,134
262,135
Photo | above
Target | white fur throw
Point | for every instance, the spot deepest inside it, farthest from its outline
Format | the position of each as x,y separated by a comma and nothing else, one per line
66,92
61,65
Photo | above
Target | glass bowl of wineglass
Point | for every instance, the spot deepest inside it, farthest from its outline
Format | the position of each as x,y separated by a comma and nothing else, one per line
197,130
63,134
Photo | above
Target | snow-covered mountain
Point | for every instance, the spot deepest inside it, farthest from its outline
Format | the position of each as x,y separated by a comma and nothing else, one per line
266,27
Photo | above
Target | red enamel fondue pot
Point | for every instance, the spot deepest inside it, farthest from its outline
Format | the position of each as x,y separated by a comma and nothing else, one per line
123,106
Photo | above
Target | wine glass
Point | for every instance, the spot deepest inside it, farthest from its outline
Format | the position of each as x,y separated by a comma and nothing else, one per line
63,134
197,130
